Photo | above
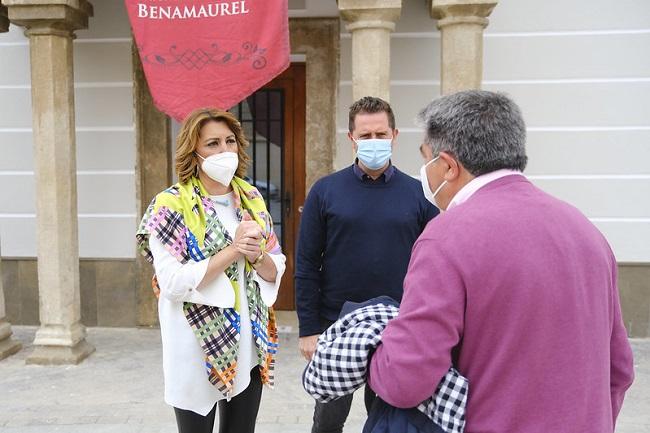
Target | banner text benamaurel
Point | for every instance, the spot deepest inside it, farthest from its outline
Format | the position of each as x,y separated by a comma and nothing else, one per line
159,12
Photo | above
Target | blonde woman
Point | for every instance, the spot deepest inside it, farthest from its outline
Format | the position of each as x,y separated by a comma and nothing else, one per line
218,267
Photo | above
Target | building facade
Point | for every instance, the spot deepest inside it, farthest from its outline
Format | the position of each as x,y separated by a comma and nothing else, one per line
579,70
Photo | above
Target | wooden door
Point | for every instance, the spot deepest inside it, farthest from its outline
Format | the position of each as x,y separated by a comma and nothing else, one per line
273,119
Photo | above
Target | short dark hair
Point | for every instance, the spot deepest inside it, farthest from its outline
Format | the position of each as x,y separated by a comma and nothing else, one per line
484,130
370,104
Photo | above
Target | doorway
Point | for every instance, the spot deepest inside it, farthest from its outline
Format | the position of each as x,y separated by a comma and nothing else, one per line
273,119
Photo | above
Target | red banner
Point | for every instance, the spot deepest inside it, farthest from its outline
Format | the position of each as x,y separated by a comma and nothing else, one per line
208,53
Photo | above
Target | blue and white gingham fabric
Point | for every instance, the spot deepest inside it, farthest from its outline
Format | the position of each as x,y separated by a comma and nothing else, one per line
339,366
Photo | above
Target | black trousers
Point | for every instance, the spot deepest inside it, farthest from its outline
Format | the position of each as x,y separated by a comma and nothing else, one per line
330,417
235,416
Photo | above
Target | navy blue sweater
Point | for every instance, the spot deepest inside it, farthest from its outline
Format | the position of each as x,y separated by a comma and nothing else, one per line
355,242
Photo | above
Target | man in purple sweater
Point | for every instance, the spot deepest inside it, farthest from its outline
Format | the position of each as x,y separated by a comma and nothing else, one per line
513,287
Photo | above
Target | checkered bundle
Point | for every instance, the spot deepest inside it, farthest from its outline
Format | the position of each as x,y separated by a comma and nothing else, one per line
340,363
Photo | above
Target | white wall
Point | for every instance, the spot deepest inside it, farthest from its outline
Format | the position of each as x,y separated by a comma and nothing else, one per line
105,134
580,71
105,139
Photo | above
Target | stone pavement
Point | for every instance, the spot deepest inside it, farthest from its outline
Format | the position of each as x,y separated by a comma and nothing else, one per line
119,390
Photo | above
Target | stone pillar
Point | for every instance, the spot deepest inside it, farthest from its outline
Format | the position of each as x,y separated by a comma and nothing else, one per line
318,39
8,346
50,26
153,174
461,23
371,23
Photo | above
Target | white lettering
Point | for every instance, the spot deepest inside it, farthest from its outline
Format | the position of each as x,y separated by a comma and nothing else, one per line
142,10
189,13
213,12
165,11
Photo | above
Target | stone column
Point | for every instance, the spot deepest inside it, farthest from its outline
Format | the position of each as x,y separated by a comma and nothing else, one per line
8,346
461,23
318,39
371,23
153,174
50,26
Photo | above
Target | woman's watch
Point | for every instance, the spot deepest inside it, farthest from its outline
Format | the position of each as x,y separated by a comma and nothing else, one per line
258,260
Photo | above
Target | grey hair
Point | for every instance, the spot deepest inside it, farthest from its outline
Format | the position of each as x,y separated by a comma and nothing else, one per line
484,130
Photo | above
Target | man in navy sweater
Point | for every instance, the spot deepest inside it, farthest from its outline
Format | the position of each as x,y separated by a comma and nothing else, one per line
356,233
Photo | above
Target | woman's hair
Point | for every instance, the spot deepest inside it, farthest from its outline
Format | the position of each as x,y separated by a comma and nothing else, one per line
187,162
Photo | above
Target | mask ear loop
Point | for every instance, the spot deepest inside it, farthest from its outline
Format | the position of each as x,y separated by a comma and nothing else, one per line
444,182
433,160
435,193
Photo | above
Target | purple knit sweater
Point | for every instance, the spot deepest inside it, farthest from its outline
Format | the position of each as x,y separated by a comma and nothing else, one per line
518,290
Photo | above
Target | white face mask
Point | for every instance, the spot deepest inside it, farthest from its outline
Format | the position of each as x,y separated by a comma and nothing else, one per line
430,195
220,167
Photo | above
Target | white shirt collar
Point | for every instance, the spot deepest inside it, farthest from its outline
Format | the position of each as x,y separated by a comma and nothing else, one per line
479,182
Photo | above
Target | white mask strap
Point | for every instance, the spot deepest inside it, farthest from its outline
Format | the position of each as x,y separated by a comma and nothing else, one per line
435,193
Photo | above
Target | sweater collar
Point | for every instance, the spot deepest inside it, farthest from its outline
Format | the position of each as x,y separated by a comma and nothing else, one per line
479,182
362,176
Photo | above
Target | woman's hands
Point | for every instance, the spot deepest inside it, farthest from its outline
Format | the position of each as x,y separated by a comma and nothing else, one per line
247,241
248,238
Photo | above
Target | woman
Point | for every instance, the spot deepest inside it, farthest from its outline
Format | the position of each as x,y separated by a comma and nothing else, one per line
218,267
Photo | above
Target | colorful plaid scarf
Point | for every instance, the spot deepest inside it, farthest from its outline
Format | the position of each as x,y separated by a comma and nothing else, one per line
185,220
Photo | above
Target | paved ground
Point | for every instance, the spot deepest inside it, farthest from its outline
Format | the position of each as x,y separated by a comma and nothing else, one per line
119,390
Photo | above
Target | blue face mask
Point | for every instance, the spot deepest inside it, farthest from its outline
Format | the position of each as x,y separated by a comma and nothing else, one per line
374,153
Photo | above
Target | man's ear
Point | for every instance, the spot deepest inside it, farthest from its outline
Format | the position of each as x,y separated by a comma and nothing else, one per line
426,152
453,171
354,143
395,134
